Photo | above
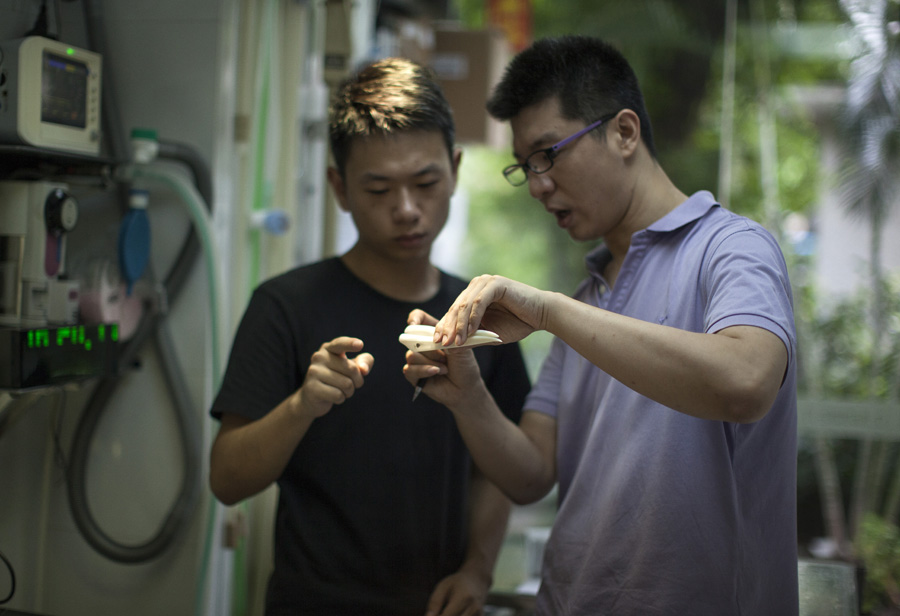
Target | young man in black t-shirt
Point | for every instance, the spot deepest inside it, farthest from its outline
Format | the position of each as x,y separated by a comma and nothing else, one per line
380,510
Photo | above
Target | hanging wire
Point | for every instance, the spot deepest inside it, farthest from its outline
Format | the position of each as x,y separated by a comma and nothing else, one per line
12,580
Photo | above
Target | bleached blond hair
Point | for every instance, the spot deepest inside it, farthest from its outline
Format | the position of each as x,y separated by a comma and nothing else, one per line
385,97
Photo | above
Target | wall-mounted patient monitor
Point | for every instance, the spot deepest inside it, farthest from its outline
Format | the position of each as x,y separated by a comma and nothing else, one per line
50,95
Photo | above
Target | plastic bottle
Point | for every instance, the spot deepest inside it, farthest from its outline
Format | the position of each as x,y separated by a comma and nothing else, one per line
134,238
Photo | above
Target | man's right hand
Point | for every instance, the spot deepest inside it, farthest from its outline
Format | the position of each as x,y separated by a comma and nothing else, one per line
510,309
332,376
248,455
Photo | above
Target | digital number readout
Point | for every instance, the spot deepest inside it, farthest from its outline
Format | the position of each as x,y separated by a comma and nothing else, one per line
71,336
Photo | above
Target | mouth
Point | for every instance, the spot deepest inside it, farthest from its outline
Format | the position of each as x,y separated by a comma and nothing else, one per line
411,240
563,217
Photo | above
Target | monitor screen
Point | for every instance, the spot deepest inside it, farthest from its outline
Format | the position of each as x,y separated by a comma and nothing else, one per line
64,91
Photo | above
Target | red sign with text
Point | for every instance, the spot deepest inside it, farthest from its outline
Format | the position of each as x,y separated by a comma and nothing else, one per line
514,18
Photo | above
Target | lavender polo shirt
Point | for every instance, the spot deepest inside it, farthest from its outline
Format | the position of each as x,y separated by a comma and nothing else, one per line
660,512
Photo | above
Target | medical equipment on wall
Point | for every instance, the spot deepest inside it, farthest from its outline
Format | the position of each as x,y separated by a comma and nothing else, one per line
41,342
50,95
50,127
34,220
196,195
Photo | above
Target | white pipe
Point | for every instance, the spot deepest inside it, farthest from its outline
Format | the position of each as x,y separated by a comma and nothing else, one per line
726,139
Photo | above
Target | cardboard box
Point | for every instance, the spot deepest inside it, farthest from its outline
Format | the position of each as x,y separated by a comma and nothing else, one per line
468,63
406,37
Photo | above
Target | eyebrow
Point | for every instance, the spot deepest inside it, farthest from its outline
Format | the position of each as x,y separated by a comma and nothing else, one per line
376,177
548,139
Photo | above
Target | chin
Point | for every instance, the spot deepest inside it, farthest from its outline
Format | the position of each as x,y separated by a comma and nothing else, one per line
583,237
422,254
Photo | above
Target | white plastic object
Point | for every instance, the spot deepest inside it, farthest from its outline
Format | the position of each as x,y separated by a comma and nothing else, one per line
420,338
138,199
144,145
273,222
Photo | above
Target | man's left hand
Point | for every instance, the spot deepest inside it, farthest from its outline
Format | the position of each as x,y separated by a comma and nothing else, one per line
460,594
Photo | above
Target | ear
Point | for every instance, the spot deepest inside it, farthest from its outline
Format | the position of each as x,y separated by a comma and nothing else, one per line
454,167
339,188
627,132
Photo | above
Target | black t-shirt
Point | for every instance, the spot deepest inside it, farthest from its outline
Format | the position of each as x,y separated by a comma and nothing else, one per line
372,505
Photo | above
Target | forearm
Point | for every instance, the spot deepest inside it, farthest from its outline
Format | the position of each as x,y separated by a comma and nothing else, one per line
730,376
519,459
247,459
248,456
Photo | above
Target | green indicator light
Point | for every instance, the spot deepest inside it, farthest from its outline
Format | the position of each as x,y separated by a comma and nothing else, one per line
70,51
30,339
101,333
115,332
87,344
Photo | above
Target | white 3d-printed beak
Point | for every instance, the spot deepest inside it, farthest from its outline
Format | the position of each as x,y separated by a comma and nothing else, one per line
420,338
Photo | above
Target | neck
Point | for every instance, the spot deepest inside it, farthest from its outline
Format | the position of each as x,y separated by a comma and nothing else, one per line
653,195
413,280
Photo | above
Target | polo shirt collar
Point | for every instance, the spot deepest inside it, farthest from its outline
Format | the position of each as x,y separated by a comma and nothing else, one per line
696,206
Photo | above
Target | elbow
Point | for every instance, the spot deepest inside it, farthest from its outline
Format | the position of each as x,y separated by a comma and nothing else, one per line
747,385
522,499
529,493
226,499
221,488
749,400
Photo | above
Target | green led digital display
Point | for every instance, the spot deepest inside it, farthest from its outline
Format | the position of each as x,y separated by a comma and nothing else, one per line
71,336
53,355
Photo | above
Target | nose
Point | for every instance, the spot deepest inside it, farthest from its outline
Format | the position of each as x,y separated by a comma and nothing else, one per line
540,184
406,209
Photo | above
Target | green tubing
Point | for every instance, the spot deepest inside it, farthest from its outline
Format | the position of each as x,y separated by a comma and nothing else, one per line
202,224
201,221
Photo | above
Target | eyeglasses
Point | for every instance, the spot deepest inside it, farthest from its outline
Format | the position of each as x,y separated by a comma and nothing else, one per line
540,161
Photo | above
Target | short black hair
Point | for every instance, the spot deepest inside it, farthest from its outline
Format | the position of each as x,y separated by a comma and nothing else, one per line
385,97
588,76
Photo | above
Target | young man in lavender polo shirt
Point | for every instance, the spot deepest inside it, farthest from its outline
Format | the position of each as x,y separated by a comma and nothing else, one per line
666,409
